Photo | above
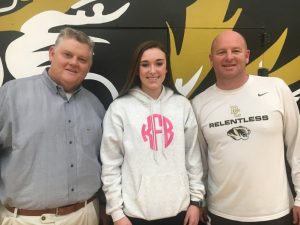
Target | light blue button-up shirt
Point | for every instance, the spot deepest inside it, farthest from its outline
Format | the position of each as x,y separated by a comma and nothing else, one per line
49,145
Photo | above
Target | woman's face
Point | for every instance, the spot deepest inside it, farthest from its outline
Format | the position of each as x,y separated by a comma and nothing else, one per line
152,71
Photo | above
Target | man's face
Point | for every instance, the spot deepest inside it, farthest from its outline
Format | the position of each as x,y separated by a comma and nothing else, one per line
70,63
229,56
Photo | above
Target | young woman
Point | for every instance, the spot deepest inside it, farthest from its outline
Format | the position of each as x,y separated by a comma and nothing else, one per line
151,163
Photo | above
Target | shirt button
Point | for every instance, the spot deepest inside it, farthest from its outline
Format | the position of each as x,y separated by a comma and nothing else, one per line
72,165
72,189
70,142
43,217
69,121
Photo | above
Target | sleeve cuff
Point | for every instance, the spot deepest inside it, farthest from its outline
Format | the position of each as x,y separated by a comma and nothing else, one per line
118,214
297,203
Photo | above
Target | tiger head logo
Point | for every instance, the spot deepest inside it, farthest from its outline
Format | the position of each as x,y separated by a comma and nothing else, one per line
239,132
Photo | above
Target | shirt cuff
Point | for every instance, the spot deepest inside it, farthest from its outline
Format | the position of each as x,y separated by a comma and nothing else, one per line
118,214
297,203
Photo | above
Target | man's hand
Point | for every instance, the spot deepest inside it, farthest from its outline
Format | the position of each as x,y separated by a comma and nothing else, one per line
123,221
193,215
296,215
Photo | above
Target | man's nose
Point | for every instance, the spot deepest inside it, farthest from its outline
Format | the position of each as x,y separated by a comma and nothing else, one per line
73,61
229,55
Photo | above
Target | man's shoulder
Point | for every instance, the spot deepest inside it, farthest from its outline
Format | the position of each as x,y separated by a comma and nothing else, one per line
265,79
20,82
202,95
17,89
95,101
273,81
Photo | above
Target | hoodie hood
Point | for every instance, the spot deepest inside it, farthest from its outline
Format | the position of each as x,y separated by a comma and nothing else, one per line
137,92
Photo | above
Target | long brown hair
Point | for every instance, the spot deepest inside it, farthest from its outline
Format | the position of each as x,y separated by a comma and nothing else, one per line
133,78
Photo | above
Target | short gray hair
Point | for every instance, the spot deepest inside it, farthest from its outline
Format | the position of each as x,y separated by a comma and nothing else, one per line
79,36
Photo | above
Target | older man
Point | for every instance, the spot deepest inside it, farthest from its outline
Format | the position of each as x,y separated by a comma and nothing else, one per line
50,132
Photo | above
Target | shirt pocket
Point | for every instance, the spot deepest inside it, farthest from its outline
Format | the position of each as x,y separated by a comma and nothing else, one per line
91,136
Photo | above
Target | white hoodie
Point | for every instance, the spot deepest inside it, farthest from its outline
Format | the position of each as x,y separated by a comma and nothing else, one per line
151,162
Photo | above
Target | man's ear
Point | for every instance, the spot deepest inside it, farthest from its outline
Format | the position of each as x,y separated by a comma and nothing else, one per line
248,56
210,60
51,52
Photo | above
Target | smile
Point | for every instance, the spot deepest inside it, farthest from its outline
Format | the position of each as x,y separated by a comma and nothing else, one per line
71,71
152,78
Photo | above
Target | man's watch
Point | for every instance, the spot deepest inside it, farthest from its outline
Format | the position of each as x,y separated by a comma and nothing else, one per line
199,204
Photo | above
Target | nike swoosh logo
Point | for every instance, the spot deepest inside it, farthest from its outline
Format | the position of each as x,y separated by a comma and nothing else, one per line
261,94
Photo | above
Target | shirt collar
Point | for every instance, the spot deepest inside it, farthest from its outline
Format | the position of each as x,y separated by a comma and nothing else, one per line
54,87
